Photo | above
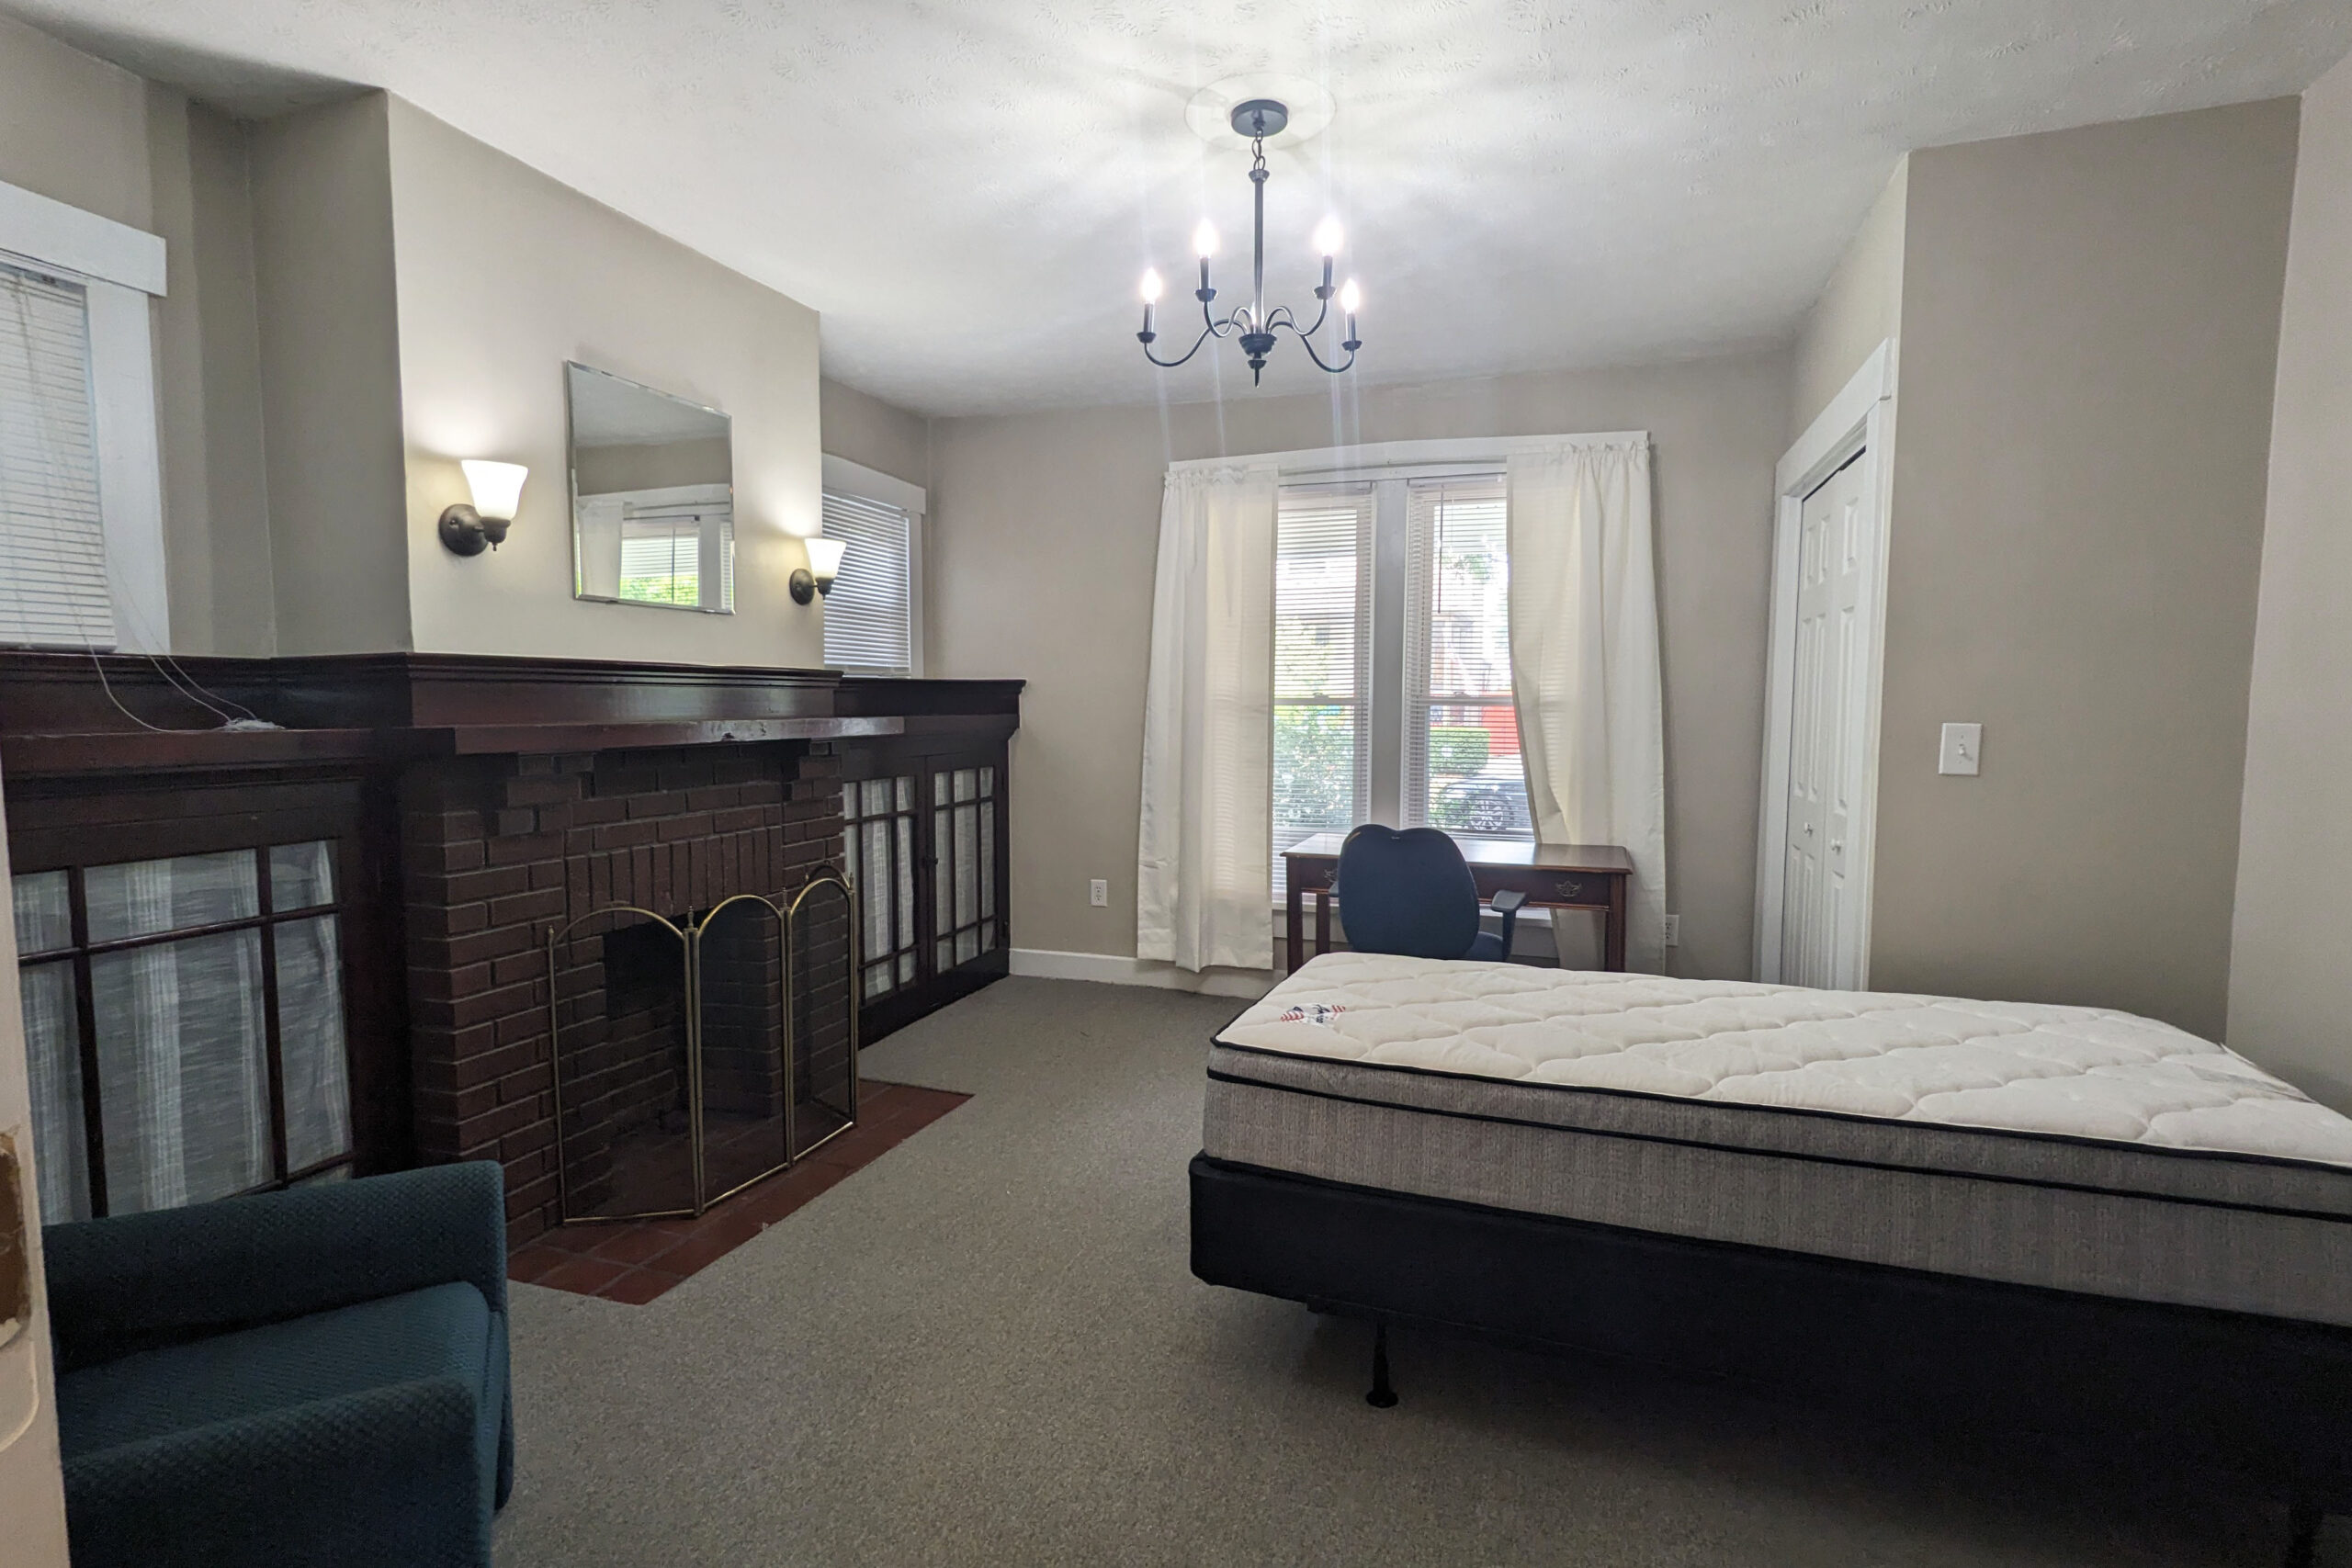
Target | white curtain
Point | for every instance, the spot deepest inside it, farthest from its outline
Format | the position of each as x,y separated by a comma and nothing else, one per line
1584,662
1203,878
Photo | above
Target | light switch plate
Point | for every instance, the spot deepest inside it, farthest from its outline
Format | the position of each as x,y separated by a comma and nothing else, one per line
1963,745
1098,893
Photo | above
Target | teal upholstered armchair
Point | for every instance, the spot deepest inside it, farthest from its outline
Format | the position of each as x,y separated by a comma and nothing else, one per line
316,1376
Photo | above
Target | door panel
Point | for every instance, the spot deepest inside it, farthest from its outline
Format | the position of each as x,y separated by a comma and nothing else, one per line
1826,767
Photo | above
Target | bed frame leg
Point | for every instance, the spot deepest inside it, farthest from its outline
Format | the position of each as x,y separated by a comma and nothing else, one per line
1382,1396
2302,1534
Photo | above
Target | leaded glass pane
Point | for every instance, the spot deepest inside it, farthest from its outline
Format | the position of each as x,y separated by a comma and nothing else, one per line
145,897
906,900
44,913
876,934
943,880
877,796
968,946
301,876
311,1041
967,782
988,781
183,1078
988,857
53,1042
877,979
906,794
938,789
967,881
906,969
849,801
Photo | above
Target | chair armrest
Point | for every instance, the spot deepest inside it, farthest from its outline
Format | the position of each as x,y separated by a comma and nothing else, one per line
139,1280
386,1476
1507,904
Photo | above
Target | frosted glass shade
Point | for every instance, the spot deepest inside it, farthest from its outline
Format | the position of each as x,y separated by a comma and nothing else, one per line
497,487
824,557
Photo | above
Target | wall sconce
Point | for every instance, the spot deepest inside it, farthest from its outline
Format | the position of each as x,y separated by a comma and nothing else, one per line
824,565
497,488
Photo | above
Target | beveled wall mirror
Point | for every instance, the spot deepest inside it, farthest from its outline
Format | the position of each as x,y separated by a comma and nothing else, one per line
652,496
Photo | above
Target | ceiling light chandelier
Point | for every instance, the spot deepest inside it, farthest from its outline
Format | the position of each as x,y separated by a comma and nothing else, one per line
1252,324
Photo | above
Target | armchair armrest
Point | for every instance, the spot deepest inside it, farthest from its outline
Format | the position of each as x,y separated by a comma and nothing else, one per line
1507,904
139,1280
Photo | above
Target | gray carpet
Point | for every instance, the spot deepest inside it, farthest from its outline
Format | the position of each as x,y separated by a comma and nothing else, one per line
986,1348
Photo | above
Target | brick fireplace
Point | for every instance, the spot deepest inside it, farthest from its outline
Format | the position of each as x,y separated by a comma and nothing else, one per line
498,850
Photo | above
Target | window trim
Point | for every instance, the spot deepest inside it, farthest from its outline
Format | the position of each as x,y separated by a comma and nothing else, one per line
121,269
844,477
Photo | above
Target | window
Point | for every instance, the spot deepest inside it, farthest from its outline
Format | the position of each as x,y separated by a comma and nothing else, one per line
1322,662
873,617
1462,757
53,590
81,497
866,618
184,1026
1392,659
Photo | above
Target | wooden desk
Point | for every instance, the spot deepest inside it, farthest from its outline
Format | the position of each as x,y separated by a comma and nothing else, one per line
1556,876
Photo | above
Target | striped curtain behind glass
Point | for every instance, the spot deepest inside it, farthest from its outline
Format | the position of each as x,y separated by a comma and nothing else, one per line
868,615
52,539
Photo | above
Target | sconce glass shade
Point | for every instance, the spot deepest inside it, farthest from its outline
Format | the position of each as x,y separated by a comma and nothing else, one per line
497,488
825,557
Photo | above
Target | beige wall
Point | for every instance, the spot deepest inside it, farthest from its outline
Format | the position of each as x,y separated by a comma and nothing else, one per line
1861,306
2293,944
2090,325
330,377
207,383
91,134
502,275
72,127
879,435
1043,532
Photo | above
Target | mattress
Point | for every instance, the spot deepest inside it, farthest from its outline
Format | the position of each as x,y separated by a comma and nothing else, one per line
2072,1148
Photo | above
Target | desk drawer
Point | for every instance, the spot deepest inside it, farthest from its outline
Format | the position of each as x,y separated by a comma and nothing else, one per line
1572,889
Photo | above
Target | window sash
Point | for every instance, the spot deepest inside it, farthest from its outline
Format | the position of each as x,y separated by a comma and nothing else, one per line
1323,663
54,590
869,614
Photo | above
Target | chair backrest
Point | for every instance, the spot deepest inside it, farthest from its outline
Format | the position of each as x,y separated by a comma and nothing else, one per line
1408,893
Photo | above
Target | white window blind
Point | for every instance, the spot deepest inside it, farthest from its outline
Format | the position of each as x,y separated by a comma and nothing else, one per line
869,615
53,590
1462,753
1322,662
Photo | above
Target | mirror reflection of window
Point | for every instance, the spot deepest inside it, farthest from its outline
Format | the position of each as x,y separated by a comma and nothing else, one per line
653,512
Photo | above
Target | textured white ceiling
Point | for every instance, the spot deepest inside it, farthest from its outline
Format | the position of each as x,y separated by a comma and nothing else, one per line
967,189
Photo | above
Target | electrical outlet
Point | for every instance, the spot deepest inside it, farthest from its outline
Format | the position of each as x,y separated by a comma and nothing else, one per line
1674,931
1098,893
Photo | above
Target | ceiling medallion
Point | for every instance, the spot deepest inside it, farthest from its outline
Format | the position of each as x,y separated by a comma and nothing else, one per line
1253,325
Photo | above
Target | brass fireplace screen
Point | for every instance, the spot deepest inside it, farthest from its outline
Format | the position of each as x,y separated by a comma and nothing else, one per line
697,1054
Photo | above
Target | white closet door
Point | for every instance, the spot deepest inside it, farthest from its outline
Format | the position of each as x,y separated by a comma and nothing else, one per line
1826,764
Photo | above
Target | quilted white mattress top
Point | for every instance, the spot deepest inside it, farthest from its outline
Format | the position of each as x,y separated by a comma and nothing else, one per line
2062,1071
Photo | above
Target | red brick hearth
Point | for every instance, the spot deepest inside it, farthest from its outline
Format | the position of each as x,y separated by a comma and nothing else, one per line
499,850
635,1261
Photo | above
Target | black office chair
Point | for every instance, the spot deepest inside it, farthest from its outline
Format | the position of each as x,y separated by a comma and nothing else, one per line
1410,893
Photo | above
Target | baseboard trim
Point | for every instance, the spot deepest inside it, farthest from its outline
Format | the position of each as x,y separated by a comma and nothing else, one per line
1110,969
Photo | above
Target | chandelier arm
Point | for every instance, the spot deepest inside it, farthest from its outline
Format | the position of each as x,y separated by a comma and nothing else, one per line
1320,317
1172,363
1217,328
1307,343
